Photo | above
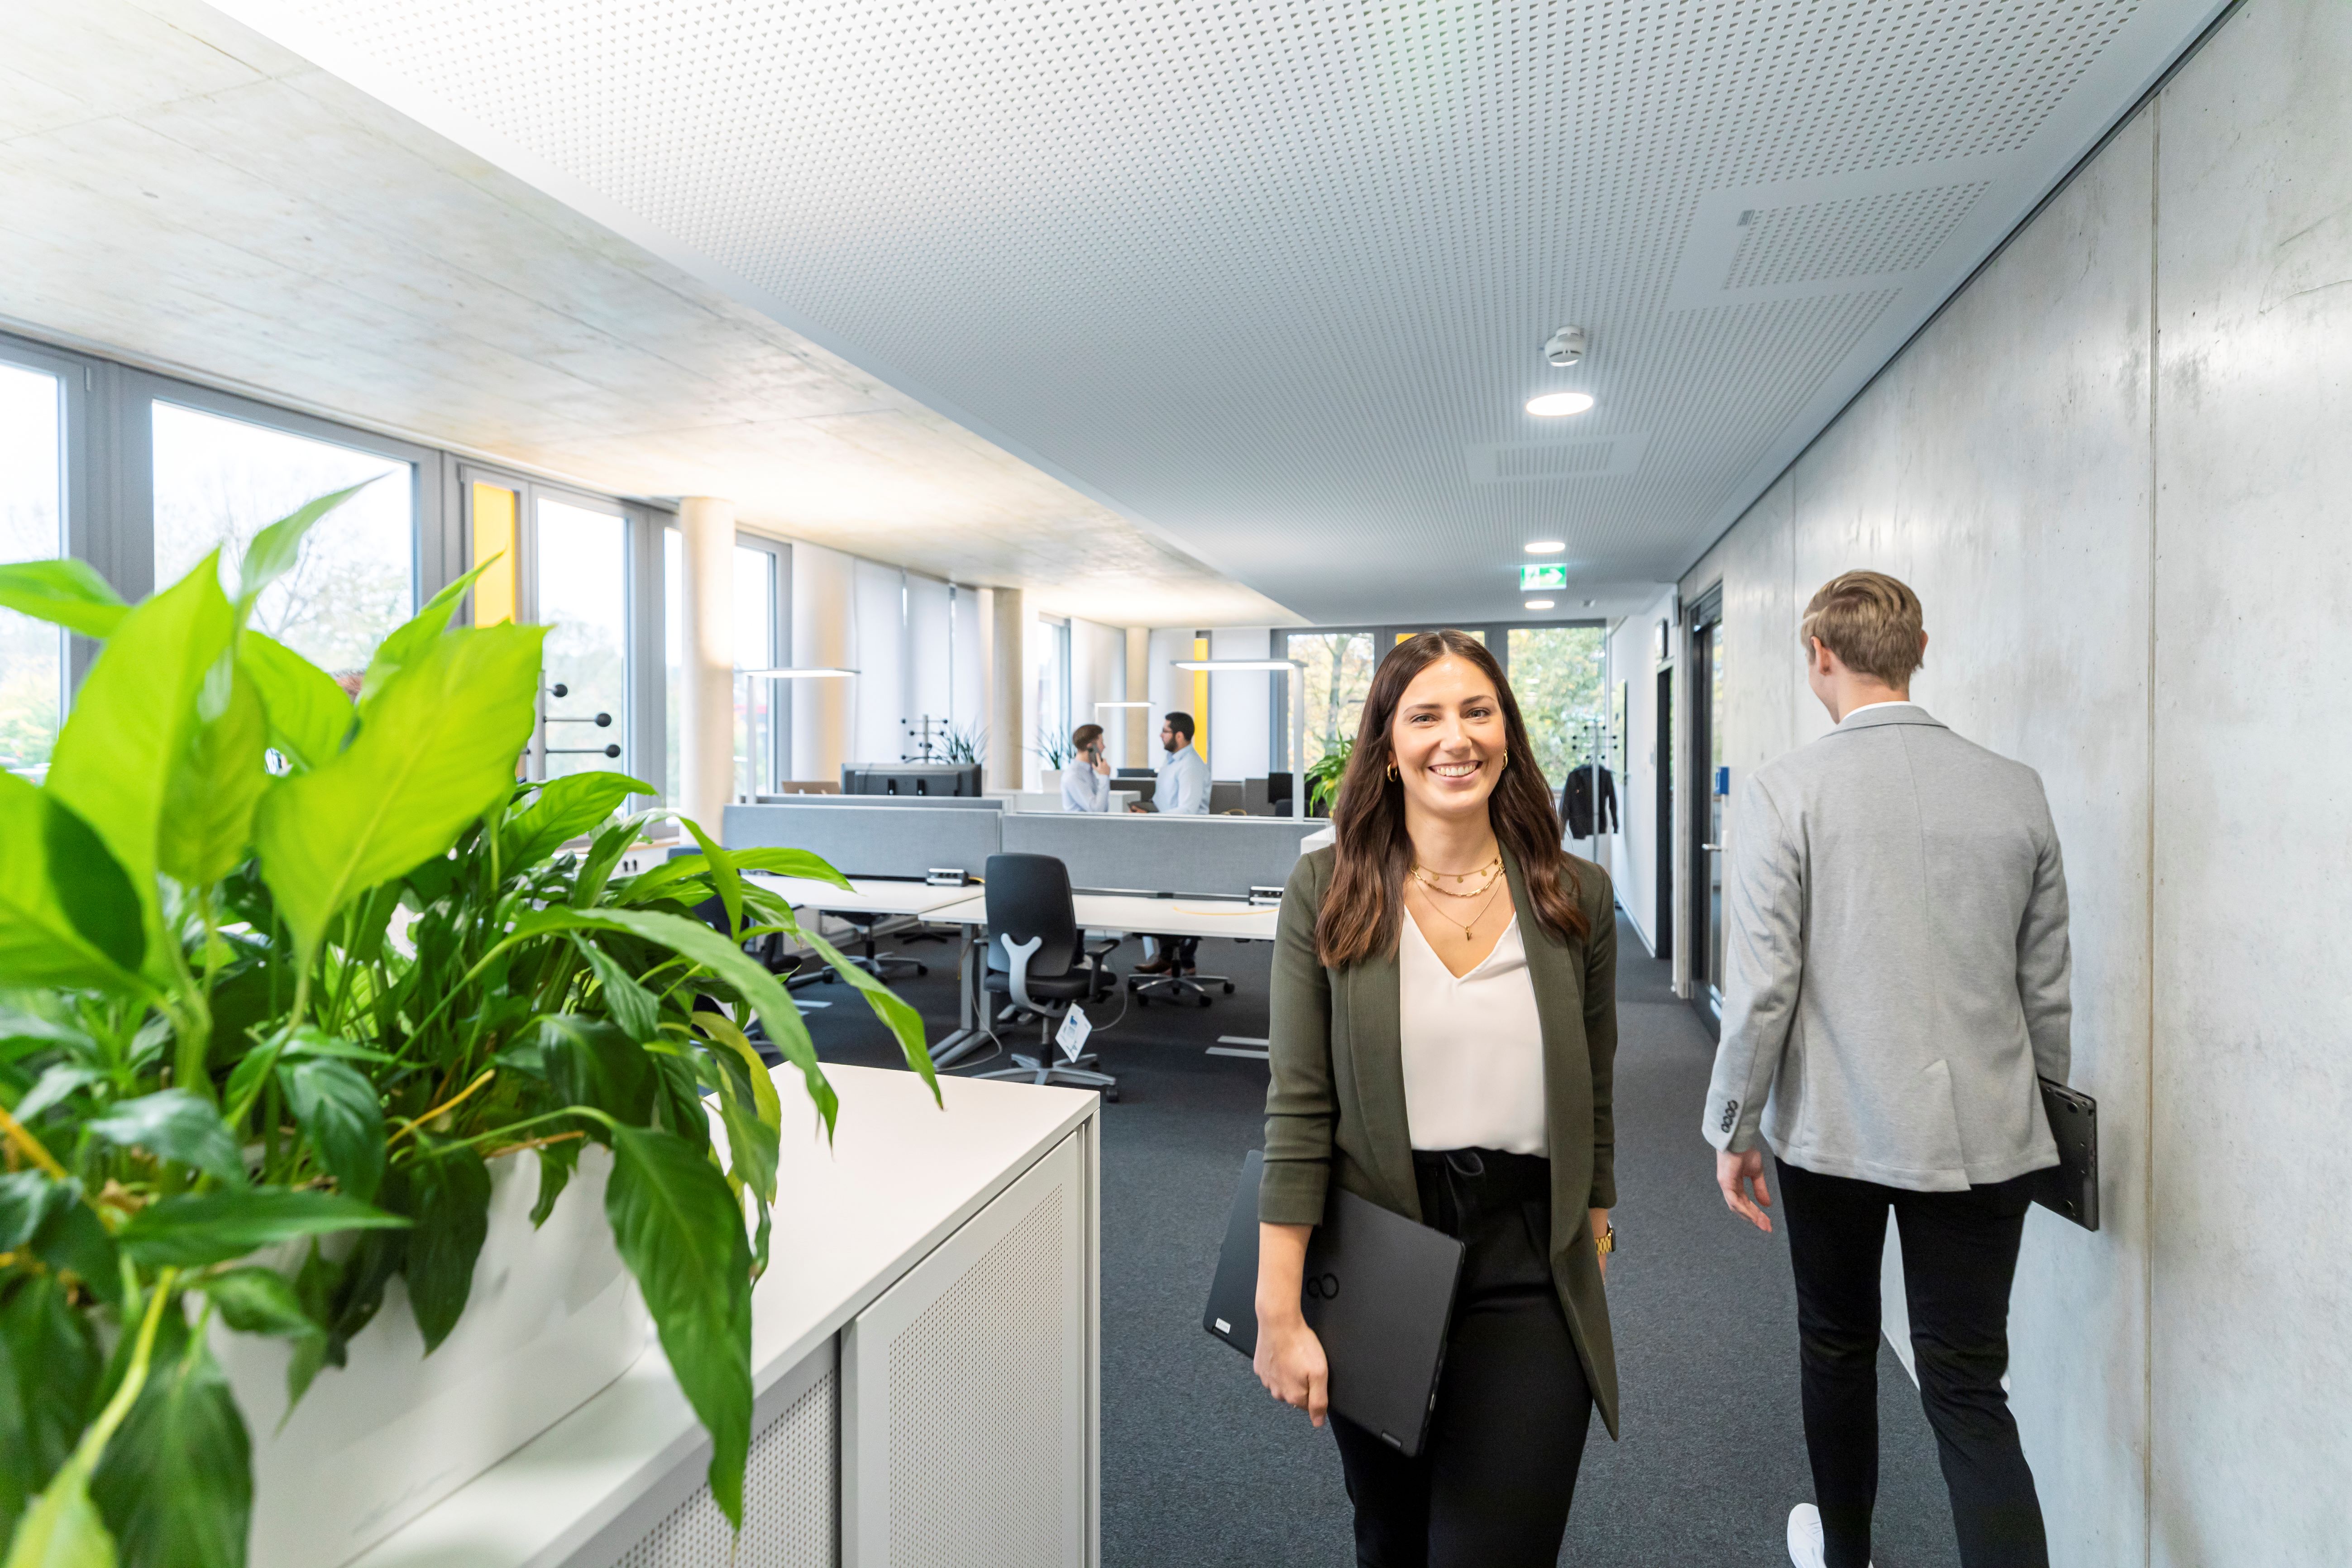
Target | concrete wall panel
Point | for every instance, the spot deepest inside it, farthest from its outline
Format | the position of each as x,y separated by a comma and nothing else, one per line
2000,467
2252,1344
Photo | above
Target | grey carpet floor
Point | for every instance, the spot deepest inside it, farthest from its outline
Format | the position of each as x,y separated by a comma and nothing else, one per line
1200,1469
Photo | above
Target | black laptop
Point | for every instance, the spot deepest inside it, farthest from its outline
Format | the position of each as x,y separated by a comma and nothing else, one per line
1379,1293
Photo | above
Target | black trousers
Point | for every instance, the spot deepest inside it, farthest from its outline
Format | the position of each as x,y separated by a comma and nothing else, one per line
1491,1483
1959,1254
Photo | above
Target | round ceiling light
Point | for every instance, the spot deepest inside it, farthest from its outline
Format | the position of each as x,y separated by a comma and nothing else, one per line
1551,404
1546,547
1538,603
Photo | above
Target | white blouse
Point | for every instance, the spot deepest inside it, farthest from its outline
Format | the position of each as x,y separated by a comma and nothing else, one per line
1473,1046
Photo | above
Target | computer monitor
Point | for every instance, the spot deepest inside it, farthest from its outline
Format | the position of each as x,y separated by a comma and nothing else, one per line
910,779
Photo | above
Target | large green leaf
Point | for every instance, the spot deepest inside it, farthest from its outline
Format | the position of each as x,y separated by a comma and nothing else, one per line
631,1007
43,940
435,749
719,866
563,809
28,1199
64,591
447,1193
680,1230
132,719
414,638
747,1104
62,1529
74,1241
193,1230
275,548
49,1381
214,785
596,1064
309,713
174,1124
259,1301
693,940
337,1111
175,1484
659,881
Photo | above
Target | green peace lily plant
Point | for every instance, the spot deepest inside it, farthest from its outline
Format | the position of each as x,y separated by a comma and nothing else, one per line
1323,773
280,973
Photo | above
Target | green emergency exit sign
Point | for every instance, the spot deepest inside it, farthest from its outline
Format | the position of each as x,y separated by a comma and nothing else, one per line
1534,577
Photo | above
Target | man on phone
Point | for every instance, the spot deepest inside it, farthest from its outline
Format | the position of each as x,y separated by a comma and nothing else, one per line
1897,974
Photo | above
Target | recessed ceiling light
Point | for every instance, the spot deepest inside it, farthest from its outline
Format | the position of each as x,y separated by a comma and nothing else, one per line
1546,547
1538,603
1553,404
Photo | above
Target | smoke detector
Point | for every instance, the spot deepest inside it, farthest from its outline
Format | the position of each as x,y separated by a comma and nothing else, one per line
1564,348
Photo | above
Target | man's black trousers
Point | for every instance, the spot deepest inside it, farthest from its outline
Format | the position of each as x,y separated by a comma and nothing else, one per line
1492,1484
1959,1254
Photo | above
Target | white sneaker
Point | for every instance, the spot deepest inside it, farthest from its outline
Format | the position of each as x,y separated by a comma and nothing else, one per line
1806,1546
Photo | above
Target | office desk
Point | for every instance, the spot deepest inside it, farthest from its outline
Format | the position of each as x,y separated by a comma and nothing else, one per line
864,895
956,1243
1124,914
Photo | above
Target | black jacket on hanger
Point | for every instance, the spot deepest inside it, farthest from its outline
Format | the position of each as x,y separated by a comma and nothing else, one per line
1576,802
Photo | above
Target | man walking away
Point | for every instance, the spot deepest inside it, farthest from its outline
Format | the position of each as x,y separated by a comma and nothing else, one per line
1897,979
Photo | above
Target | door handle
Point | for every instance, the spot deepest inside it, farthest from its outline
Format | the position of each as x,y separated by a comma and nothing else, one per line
1716,848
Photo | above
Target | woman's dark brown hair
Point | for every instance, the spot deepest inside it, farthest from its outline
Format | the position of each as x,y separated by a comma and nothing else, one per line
1365,903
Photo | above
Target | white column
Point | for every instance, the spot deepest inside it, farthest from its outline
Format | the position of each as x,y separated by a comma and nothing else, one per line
706,598
824,636
1141,723
1008,678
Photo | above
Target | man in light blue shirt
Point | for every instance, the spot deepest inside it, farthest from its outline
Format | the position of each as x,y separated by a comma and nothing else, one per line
1182,790
1183,787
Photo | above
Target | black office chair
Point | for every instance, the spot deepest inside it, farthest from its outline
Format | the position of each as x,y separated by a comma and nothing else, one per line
877,964
1041,961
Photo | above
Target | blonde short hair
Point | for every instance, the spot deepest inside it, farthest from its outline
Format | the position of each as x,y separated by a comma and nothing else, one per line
1871,621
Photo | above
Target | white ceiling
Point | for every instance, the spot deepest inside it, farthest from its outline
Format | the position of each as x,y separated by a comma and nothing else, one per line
1270,276
177,188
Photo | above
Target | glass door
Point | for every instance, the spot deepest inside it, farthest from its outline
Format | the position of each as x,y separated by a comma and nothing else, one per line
1711,780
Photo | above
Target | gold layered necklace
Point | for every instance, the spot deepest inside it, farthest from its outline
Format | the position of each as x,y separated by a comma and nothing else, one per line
1481,884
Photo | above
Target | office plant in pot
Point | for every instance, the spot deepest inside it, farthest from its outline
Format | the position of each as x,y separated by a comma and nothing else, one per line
288,984
1323,773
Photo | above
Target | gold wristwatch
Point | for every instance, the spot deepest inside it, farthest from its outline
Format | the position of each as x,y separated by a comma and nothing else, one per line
1606,1242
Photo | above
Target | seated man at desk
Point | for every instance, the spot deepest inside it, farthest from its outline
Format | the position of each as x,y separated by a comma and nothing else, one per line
1182,790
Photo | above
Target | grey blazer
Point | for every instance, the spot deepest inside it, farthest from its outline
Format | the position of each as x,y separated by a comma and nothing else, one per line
1896,959
1335,1109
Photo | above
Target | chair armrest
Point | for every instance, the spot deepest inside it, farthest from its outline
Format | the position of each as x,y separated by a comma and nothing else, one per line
1101,949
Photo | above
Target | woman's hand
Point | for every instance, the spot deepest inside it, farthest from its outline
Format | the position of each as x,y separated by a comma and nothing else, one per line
1599,1220
1289,1362
1289,1359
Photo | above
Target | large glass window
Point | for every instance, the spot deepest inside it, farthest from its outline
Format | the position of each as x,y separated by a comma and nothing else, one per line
219,481
672,660
1337,674
32,528
1555,676
582,574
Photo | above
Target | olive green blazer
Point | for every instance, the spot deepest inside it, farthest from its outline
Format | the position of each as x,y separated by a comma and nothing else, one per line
1335,1109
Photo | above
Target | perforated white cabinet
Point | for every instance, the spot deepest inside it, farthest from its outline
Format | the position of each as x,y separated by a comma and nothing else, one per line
924,1352
966,1392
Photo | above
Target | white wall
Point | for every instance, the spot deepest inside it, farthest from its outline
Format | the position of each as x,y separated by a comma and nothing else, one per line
931,668
967,685
2133,578
1171,689
1239,705
1097,674
878,700
1632,662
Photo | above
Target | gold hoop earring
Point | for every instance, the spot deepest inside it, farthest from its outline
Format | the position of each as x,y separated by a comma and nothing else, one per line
1503,763
1392,772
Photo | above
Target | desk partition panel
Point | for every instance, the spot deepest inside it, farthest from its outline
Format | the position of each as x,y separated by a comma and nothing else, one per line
1141,853
872,840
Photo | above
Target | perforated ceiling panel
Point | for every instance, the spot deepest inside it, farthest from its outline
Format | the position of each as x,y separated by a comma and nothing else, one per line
1260,272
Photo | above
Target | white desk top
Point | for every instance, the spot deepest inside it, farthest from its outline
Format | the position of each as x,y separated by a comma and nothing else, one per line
870,896
1130,913
900,1176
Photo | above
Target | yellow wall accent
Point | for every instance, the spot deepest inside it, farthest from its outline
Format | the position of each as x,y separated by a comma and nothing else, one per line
1200,700
494,535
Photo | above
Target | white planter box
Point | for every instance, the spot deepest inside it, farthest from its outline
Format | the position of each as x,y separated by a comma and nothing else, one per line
555,1317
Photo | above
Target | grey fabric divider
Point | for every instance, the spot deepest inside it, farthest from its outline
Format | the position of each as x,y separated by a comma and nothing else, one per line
890,801
1221,855
871,840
